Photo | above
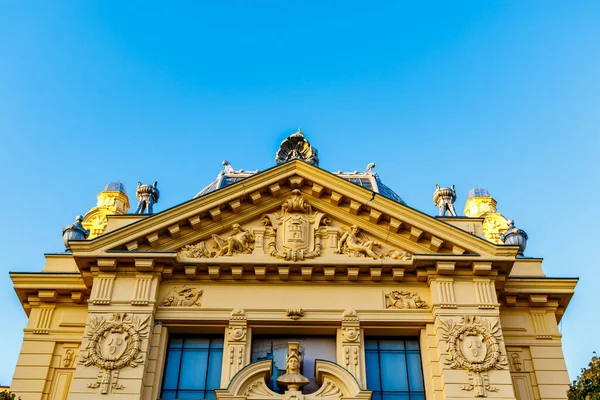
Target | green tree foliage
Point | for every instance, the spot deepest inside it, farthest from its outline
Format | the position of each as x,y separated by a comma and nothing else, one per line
6,395
587,384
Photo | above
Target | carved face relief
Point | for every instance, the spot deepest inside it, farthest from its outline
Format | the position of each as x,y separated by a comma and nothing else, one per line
293,365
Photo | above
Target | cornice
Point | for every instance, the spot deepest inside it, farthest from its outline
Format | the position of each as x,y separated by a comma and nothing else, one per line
383,214
49,287
551,293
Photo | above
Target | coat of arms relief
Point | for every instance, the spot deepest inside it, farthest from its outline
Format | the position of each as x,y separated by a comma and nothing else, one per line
113,344
473,344
295,233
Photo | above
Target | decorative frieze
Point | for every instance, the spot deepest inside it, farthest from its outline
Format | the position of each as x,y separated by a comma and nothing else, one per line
403,299
182,296
114,344
473,344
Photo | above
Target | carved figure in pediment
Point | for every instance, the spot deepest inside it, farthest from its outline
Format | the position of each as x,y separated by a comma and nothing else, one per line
355,243
198,250
182,296
402,299
398,255
296,233
241,242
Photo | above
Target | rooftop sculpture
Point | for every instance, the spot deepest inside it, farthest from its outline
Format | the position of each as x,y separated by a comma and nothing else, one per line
515,236
296,147
444,198
147,195
75,231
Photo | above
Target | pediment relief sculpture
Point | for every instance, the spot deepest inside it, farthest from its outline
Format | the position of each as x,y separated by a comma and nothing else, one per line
397,255
240,241
356,244
473,344
403,299
182,296
114,344
296,233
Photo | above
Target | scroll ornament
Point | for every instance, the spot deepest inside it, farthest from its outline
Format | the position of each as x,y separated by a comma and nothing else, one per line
473,345
112,345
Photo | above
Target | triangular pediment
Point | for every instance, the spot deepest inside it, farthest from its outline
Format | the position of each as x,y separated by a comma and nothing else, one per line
258,203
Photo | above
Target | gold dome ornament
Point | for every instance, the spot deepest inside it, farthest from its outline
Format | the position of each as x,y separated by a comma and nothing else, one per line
296,147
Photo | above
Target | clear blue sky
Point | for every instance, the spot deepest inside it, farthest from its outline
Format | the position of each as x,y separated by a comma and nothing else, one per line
497,94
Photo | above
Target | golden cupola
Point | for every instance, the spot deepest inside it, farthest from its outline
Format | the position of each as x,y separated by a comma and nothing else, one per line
112,200
480,204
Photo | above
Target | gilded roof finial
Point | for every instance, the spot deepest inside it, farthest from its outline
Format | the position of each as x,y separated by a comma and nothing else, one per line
296,147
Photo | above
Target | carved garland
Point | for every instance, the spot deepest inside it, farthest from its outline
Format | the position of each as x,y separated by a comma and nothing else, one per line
113,345
465,341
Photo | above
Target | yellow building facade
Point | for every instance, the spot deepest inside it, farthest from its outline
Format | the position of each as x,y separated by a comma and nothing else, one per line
208,298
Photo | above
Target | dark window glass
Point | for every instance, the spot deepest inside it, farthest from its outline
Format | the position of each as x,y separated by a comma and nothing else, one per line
193,367
394,369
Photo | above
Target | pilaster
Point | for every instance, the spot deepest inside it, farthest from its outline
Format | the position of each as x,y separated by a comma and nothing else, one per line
466,348
237,346
114,355
350,348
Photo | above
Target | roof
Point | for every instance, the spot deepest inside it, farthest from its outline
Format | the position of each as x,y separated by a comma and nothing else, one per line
367,179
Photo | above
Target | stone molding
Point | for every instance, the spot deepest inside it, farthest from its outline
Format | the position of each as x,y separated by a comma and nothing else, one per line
250,383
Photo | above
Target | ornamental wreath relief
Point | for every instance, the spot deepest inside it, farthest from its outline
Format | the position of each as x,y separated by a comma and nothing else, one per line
473,345
114,344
